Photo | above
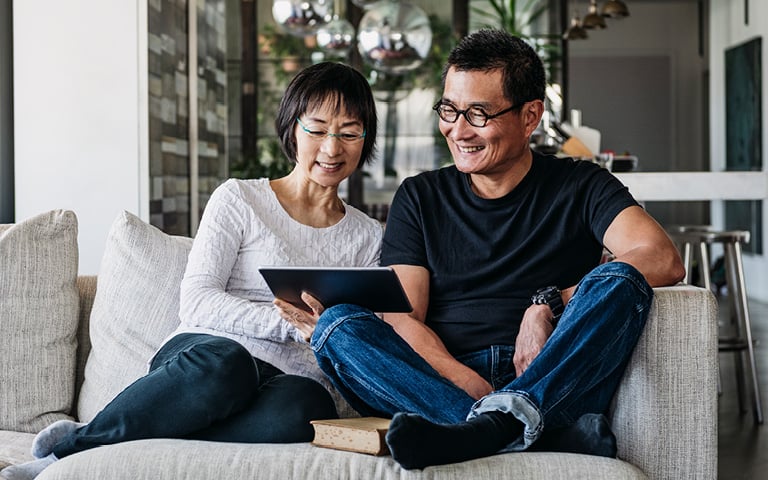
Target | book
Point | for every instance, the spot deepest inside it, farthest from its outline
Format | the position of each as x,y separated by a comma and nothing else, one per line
363,435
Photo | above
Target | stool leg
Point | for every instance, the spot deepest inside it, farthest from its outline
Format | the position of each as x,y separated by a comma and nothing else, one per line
704,266
731,274
687,261
739,292
705,275
734,313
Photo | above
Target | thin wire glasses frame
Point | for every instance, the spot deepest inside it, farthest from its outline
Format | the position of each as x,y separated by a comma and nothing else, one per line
474,115
322,134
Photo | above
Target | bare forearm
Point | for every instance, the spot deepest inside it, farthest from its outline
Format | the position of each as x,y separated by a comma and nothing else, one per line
429,346
660,267
635,238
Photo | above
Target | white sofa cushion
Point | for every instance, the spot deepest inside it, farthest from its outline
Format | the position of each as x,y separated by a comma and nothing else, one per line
38,319
167,459
135,308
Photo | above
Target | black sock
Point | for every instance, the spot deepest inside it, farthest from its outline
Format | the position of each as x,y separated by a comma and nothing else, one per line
419,443
590,435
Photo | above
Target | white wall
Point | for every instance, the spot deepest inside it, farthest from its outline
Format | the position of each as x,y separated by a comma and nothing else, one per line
80,113
727,29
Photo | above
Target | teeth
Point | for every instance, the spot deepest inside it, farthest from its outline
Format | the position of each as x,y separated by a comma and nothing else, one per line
470,149
328,165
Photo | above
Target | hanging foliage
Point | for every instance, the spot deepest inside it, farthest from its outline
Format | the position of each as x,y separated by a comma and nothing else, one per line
526,19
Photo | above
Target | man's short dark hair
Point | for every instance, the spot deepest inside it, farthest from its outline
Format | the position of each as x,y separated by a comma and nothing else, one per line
492,49
324,82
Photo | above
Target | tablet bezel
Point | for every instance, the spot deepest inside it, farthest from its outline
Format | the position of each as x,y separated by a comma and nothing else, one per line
375,288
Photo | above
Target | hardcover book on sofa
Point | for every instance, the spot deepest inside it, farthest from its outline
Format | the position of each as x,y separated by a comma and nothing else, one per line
363,435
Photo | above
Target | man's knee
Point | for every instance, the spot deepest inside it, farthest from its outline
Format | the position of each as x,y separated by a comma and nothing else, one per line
346,315
618,276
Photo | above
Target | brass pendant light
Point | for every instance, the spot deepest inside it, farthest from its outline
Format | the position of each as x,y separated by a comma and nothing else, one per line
576,31
615,9
593,19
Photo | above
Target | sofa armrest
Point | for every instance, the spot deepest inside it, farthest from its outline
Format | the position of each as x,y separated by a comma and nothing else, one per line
664,413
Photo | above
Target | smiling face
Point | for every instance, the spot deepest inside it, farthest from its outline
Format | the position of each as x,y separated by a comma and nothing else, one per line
327,160
503,143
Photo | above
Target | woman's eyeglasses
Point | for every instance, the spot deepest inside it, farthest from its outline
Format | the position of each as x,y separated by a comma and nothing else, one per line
345,137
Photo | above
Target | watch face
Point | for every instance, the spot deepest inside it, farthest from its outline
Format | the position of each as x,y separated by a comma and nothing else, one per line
548,292
549,296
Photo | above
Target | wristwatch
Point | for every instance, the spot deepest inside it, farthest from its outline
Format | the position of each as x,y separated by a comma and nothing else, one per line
550,296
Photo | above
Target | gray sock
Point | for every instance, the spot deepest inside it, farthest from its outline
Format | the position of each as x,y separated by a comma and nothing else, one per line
29,470
43,444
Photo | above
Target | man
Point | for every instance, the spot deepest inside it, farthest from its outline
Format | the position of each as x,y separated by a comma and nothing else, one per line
518,337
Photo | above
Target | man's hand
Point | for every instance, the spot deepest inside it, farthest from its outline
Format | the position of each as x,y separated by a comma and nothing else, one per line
475,386
304,321
535,329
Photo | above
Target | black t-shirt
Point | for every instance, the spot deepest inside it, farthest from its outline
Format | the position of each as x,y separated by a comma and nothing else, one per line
487,257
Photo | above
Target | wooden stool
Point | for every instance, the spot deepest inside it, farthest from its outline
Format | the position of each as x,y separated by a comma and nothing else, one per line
699,238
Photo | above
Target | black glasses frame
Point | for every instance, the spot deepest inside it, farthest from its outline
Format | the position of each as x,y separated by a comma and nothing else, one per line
438,108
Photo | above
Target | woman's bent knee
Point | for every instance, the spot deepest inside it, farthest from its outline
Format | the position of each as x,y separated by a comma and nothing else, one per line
296,402
223,367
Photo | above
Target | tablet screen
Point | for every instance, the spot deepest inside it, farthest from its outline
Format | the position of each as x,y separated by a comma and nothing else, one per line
375,288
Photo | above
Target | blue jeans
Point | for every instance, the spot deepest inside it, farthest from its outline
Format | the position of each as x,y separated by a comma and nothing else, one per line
577,371
207,388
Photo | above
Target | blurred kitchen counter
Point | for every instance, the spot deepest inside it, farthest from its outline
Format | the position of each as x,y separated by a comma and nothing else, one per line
695,186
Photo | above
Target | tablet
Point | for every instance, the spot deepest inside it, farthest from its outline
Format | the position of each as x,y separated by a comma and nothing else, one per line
375,288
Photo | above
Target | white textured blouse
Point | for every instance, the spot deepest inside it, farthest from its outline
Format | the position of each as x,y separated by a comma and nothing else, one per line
243,228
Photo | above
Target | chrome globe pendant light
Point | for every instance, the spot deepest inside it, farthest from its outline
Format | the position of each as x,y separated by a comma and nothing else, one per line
394,37
365,4
301,17
336,37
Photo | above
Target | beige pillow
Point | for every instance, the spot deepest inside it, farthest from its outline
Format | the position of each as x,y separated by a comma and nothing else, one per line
39,305
135,308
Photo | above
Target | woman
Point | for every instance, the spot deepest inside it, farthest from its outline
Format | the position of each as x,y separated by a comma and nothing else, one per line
234,370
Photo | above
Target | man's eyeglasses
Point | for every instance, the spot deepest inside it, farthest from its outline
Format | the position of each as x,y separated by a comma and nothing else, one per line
476,116
345,137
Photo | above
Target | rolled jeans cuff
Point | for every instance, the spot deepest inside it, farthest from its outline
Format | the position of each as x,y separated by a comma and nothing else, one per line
518,404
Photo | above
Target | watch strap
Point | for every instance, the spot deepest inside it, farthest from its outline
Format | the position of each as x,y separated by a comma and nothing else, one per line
550,296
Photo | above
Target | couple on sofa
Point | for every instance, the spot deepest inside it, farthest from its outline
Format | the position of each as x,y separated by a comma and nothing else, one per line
518,336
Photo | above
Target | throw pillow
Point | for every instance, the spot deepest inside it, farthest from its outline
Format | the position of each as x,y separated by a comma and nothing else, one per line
39,305
135,308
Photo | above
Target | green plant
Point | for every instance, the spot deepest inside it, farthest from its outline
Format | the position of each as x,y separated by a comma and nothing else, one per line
278,44
289,53
507,15
268,162
521,18
443,41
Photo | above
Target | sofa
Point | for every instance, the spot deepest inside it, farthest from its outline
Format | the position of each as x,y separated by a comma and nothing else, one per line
69,343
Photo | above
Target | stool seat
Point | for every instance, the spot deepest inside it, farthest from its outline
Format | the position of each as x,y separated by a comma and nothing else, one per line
711,236
700,237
